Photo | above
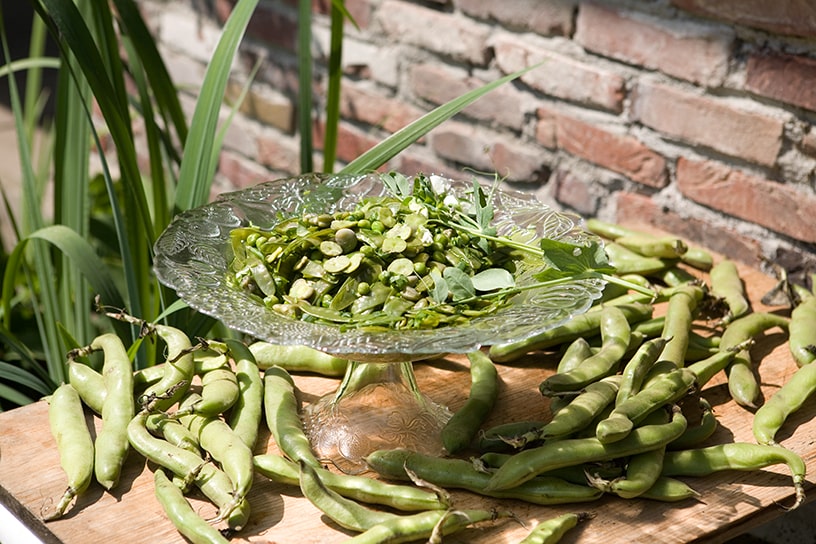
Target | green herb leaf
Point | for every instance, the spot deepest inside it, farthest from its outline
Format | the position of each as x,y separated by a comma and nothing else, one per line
440,291
567,259
492,279
460,284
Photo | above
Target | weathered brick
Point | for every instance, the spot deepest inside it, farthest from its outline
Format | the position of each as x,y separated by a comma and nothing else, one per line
359,10
351,141
774,205
273,26
794,17
545,128
636,209
448,34
440,84
788,78
617,152
411,163
560,76
551,18
240,171
279,152
687,50
178,28
720,124
576,193
265,105
372,108
484,151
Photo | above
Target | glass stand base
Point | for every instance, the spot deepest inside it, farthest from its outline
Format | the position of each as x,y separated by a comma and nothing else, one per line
384,412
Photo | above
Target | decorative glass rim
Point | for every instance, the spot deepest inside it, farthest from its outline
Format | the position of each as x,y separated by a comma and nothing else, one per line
192,256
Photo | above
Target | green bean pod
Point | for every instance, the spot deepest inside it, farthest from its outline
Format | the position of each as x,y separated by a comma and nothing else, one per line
736,456
506,436
407,498
245,415
111,445
297,359
182,515
213,482
802,332
627,261
642,472
677,327
462,427
634,371
666,389
580,411
174,432
551,531
615,334
771,416
219,393
178,370
666,247
529,463
228,449
727,285
89,384
667,489
347,513
707,368
282,418
576,352
695,435
461,474
425,526
74,444
586,324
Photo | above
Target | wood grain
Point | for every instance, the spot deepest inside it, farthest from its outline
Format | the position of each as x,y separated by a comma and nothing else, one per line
731,503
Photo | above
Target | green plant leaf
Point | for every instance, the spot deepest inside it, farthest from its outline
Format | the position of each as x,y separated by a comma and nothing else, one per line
12,373
195,182
567,259
394,144
14,396
491,279
459,283
439,292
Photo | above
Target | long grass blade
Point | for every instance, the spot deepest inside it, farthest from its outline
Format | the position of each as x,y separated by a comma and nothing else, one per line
333,93
304,106
194,181
11,373
397,142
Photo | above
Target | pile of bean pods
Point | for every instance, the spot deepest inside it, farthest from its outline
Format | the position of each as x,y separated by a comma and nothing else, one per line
628,417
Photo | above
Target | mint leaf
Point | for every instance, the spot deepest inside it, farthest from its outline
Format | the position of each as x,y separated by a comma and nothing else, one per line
565,259
492,279
460,284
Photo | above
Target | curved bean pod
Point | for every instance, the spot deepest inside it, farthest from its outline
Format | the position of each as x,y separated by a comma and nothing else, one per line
736,456
427,526
550,531
172,431
770,417
89,384
178,370
462,427
695,435
245,415
74,444
560,453
727,285
181,514
634,372
282,419
677,327
297,359
506,436
580,411
802,332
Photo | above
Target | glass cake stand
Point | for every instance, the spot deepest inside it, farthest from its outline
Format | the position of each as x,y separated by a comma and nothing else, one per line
378,404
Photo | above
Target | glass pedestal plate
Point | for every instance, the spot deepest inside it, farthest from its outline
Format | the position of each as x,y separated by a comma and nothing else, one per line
378,403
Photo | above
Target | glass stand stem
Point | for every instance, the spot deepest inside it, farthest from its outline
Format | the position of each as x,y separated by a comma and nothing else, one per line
377,406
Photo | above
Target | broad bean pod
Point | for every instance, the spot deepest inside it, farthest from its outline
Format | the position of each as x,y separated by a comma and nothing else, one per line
297,359
179,367
582,410
635,370
694,435
461,474
282,418
802,331
89,384
727,285
219,392
736,456
74,444
407,498
245,415
666,247
615,334
586,324
560,453
181,514
551,531
428,526
677,327
462,427
173,431
506,436
771,416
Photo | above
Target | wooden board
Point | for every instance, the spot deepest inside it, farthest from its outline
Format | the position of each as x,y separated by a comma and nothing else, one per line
731,503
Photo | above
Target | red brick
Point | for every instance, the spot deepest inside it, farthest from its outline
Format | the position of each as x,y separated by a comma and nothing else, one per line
240,171
372,108
617,152
466,145
774,205
351,141
719,124
576,193
273,26
793,17
560,76
279,153
545,129
267,107
692,51
359,10
551,18
808,143
440,84
449,34
636,209
410,163
787,78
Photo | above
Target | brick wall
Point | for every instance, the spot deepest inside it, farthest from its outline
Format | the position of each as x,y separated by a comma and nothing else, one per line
691,115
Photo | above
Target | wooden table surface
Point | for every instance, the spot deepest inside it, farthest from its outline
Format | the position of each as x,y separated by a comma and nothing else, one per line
731,502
